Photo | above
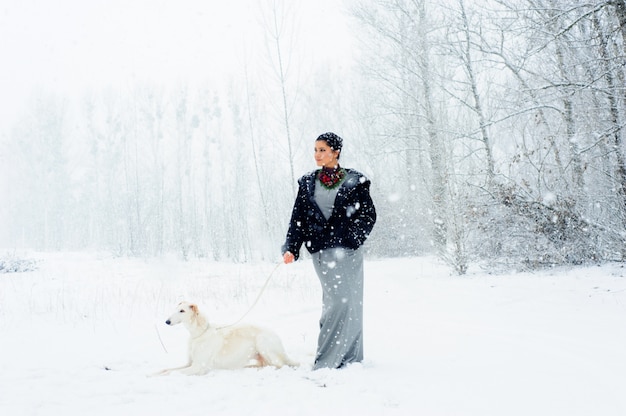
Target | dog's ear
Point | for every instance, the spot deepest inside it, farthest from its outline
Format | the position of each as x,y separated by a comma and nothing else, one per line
194,308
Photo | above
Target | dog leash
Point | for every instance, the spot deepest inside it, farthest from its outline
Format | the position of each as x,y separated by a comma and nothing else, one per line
267,281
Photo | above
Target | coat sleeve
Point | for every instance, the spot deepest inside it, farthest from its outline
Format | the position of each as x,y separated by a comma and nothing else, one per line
362,216
296,232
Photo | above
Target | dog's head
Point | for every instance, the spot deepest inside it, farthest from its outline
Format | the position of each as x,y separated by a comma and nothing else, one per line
185,312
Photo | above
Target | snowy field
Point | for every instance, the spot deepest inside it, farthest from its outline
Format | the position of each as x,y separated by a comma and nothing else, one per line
79,335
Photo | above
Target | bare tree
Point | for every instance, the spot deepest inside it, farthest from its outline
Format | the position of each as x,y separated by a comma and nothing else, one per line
255,154
462,43
279,24
615,131
401,65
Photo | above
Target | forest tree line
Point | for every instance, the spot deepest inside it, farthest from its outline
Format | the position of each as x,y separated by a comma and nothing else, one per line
492,132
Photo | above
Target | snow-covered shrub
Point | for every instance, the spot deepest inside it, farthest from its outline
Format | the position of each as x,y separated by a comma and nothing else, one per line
11,264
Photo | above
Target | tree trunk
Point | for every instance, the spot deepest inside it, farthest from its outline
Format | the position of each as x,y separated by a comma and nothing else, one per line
614,111
435,144
478,107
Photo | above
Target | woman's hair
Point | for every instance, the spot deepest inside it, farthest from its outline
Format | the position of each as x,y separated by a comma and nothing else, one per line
335,142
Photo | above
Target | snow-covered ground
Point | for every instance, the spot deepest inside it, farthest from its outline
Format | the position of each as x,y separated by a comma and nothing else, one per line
79,335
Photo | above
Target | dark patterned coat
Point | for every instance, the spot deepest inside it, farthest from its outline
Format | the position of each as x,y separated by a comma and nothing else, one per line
351,222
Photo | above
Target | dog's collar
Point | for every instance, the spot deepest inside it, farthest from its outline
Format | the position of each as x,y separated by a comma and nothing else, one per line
203,331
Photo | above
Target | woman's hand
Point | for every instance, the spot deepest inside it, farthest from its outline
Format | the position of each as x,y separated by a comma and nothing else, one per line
288,257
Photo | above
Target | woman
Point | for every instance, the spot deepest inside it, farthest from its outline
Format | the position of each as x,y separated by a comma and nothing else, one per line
332,216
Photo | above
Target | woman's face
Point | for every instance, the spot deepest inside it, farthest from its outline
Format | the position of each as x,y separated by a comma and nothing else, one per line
325,156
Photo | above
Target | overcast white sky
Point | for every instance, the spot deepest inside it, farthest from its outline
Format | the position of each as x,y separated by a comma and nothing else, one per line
69,45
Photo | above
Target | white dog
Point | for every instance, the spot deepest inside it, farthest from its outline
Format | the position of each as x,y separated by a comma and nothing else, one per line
228,347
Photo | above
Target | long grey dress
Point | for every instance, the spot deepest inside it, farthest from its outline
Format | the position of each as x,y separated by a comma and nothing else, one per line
340,271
